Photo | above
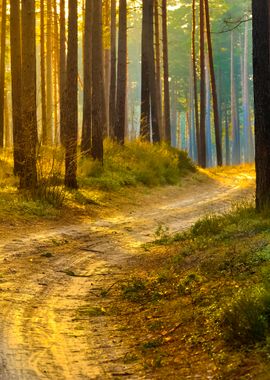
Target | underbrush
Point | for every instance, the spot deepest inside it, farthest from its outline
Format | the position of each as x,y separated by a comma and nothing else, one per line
205,298
136,163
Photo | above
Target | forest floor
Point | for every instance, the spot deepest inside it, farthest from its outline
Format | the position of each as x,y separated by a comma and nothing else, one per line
58,313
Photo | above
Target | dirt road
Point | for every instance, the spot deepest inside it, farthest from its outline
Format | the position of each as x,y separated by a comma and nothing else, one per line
49,278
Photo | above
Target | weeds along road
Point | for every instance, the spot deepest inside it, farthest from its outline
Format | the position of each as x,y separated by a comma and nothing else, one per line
48,278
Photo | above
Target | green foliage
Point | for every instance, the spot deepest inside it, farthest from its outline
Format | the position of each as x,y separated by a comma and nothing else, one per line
246,320
136,163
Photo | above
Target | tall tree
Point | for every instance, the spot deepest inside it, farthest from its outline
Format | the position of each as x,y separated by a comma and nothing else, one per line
158,67
16,82
62,69
213,85
87,80
28,172
121,74
98,104
145,73
2,69
112,101
43,73
167,123
194,71
234,112
202,157
261,67
49,75
72,97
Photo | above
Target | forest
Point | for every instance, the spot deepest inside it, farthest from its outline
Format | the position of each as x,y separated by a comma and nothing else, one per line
134,189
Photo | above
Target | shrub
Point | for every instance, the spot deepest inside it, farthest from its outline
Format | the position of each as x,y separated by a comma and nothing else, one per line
246,320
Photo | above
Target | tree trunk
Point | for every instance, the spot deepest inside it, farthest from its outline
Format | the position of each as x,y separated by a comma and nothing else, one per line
193,54
158,69
152,78
167,123
145,74
98,104
43,74
87,81
71,100
112,103
107,56
56,73
2,70
49,75
213,86
28,173
62,68
121,74
16,82
202,157
261,51
234,113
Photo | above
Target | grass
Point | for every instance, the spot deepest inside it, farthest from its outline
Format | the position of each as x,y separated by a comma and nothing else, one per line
135,164
204,296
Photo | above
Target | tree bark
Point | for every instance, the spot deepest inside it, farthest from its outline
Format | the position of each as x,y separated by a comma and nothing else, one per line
28,173
112,103
193,54
261,51
121,74
2,70
62,68
145,74
16,82
71,100
98,104
167,123
158,68
43,74
202,157
213,86
87,81
49,75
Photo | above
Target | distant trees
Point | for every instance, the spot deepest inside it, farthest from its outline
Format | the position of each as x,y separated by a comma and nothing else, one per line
195,106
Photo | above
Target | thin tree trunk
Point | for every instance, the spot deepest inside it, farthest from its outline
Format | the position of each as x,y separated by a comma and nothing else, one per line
213,86
98,104
234,117
121,74
7,134
28,173
43,74
62,69
193,54
158,69
152,78
167,123
2,70
49,75
145,75
71,100
107,65
202,158
112,103
87,88
16,81
56,73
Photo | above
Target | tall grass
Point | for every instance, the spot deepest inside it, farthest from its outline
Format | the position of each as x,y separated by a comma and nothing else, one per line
136,163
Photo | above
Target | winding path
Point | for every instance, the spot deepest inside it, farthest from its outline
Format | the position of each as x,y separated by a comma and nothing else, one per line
46,277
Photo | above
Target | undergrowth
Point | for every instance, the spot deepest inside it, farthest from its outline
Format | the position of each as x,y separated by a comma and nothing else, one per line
209,295
136,163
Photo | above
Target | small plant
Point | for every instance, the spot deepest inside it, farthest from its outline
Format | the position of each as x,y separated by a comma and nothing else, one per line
246,319
162,234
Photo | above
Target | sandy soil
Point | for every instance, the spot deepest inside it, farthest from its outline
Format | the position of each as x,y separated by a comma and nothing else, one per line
49,277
